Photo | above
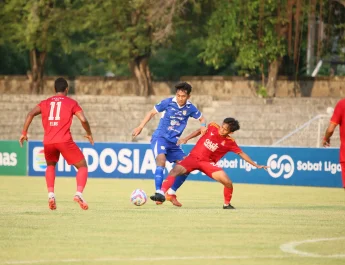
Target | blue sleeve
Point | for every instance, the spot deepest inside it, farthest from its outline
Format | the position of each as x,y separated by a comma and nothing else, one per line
161,106
196,114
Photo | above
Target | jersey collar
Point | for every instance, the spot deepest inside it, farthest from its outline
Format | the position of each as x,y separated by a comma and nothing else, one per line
187,103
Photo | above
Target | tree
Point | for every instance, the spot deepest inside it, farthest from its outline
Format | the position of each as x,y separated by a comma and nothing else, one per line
258,33
128,31
36,26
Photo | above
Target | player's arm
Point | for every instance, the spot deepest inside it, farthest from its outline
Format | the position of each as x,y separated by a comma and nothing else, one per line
246,157
147,118
328,134
34,112
85,123
188,137
203,128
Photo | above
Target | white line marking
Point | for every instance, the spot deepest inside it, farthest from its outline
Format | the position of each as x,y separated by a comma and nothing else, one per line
145,259
291,248
287,248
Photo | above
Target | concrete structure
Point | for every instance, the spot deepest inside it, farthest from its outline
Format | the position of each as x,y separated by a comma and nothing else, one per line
263,121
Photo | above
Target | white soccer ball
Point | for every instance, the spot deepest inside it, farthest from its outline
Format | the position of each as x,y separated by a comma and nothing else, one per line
138,197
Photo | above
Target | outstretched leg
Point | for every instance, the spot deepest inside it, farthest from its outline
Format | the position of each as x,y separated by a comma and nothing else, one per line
223,178
176,171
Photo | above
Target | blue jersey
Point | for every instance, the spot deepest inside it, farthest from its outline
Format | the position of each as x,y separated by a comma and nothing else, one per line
174,118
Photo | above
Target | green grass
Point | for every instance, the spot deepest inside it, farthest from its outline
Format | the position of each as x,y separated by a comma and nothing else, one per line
121,233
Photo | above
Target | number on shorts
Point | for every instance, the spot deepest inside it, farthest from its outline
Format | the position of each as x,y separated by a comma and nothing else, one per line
51,113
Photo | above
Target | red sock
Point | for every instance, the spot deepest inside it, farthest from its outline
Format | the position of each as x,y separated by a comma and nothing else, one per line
81,178
168,183
227,195
50,178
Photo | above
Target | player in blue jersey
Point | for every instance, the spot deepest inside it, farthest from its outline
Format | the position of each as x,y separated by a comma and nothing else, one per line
176,112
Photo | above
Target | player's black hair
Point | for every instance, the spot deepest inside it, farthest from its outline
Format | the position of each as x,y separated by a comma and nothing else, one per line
60,85
184,86
233,124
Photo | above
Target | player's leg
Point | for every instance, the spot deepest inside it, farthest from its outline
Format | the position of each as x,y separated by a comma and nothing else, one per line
71,152
343,173
159,149
159,173
175,154
183,168
176,171
52,157
81,183
218,174
223,178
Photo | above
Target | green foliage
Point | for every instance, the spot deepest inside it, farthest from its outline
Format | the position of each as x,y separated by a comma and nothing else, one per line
32,24
12,61
262,92
233,30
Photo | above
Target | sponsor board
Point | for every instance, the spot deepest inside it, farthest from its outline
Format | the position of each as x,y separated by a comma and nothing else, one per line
288,166
12,158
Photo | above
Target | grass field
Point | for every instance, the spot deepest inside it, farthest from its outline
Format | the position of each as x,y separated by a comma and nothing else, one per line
113,231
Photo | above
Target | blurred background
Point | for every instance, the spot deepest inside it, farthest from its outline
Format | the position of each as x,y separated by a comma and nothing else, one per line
260,60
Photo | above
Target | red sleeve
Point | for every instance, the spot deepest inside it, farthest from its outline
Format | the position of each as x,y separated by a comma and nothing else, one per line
235,148
336,118
76,108
213,125
40,104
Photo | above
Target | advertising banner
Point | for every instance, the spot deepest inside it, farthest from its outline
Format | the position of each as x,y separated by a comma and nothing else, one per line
12,158
289,166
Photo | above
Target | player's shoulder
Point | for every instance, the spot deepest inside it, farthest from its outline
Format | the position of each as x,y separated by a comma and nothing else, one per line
70,101
341,102
213,124
165,101
230,139
190,104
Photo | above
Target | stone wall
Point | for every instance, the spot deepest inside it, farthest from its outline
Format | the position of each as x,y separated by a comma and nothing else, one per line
219,87
112,118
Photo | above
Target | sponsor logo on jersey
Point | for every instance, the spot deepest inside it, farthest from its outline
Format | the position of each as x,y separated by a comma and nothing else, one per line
210,145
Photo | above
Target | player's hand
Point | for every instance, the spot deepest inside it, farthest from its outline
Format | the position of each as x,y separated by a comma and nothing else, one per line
326,143
90,138
181,141
203,130
136,131
264,167
22,139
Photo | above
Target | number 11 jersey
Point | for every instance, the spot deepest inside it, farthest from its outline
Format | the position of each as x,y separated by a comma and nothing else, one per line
57,115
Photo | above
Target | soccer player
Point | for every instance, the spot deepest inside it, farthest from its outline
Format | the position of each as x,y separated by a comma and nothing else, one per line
176,112
57,114
209,149
338,118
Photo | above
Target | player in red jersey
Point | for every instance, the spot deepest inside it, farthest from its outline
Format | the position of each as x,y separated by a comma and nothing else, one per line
57,114
338,118
206,153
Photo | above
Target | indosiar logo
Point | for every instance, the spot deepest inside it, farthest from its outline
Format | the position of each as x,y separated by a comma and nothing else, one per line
282,166
38,159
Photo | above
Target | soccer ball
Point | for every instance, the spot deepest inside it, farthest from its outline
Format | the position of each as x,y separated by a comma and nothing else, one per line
138,197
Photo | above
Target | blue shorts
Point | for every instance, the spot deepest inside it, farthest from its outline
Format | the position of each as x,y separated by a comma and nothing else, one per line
172,151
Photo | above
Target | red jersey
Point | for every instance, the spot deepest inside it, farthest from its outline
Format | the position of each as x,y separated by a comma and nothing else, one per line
212,146
57,114
339,118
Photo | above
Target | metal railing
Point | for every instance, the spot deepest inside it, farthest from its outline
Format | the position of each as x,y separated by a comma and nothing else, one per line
308,129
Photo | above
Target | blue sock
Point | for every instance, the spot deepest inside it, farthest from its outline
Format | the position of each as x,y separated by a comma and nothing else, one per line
159,176
178,182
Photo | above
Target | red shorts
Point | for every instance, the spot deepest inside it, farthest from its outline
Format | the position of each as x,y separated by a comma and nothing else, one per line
69,150
191,163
